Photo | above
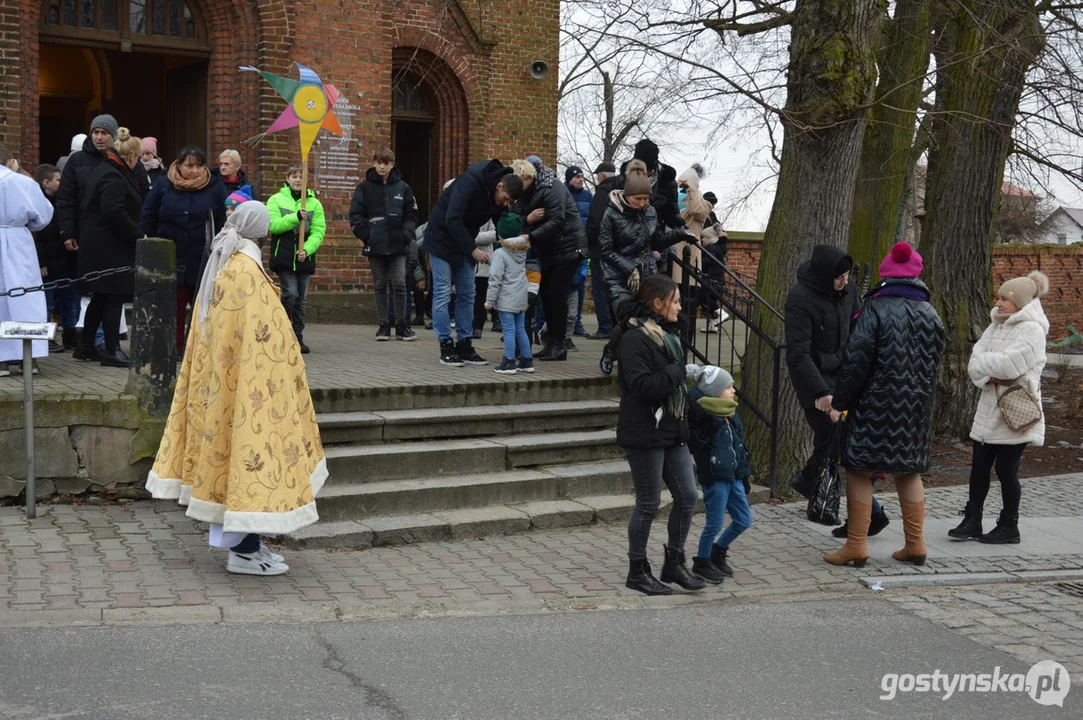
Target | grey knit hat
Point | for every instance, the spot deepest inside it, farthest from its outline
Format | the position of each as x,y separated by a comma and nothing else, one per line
107,123
712,380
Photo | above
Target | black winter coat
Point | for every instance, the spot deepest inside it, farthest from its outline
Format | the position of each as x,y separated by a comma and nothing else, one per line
110,226
716,443
647,378
52,255
559,237
384,215
462,209
627,238
181,216
818,324
71,197
888,382
239,181
663,200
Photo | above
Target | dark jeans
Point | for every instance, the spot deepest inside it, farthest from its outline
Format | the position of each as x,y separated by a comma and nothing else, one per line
1006,460
249,545
601,298
295,297
555,283
822,431
581,293
650,469
388,269
104,309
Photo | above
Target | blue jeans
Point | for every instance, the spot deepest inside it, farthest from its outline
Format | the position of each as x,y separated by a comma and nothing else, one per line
513,325
601,299
65,301
719,497
443,277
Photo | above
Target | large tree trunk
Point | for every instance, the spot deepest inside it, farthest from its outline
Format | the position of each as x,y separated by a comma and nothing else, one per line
886,160
983,53
831,76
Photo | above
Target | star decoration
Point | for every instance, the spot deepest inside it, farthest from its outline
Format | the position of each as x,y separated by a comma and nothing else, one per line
309,107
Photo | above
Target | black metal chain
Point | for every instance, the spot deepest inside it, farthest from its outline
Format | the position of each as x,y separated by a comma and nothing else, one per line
68,282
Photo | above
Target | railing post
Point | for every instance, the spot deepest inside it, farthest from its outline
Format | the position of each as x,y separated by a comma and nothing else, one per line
154,330
689,306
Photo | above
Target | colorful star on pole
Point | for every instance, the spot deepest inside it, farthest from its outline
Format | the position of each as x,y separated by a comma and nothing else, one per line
310,104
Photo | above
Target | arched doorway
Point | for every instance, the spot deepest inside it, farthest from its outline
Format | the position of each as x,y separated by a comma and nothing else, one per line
143,61
429,123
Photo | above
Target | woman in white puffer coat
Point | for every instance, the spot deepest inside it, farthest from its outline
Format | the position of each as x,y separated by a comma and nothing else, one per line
1010,352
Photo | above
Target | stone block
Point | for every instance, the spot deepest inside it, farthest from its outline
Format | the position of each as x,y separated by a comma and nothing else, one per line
53,453
348,535
105,453
407,529
481,522
549,514
13,487
72,485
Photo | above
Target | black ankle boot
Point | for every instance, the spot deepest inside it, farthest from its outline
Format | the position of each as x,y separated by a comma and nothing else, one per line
706,570
1005,533
970,527
641,579
718,557
115,358
876,525
675,570
555,351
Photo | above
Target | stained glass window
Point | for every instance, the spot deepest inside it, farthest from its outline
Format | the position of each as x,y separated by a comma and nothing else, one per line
53,15
176,17
189,24
137,16
90,14
409,96
109,15
69,13
158,17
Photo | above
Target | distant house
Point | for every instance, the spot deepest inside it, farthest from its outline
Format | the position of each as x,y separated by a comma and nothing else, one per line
1063,227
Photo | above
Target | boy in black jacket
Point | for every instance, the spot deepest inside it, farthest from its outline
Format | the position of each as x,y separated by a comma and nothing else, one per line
716,439
54,263
383,216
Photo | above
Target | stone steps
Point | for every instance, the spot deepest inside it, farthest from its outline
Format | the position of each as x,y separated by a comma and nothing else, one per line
389,426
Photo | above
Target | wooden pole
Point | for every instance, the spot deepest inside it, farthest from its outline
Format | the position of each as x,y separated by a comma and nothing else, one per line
304,196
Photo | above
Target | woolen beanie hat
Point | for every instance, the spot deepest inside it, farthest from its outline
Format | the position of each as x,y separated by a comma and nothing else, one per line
151,145
107,123
1021,290
710,197
647,151
605,167
902,262
571,172
510,225
243,194
710,379
635,179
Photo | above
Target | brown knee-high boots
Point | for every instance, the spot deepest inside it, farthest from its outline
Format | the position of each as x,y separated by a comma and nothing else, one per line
855,550
913,528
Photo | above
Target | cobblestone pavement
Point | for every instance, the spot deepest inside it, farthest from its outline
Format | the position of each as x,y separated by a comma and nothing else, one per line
343,356
109,562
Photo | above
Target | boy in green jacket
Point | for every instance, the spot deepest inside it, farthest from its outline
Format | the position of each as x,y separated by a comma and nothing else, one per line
294,264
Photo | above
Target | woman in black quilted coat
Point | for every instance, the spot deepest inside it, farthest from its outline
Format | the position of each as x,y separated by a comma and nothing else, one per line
886,388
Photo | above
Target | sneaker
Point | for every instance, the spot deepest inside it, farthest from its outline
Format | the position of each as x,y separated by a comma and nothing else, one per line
448,356
383,333
526,365
506,367
569,345
256,563
496,328
581,332
712,327
272,556
428,326
55,347
404,333
466,353
34,367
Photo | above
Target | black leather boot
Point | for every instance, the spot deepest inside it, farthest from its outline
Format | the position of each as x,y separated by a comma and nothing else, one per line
706,570
718,557
555,351
115,358
1005,533
641,579
970,527
675,570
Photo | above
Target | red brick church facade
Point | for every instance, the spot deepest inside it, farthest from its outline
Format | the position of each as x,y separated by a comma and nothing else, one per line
444,82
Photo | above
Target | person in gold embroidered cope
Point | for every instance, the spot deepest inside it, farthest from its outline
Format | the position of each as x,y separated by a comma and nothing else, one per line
241,447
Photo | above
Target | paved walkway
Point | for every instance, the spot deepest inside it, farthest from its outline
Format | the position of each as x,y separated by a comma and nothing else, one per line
117,563
343,356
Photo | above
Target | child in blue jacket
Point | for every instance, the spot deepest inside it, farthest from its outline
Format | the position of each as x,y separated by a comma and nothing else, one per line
716,438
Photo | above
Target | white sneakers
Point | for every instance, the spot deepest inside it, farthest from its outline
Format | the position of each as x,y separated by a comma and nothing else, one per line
262,562
715,324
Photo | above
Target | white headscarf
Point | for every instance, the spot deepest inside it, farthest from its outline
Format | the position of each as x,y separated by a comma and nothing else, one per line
250,221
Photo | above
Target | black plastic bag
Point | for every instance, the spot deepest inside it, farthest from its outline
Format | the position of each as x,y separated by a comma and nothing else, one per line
823,506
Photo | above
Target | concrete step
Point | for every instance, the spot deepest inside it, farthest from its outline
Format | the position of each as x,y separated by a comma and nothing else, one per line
355,464
566,447
469,523
487,420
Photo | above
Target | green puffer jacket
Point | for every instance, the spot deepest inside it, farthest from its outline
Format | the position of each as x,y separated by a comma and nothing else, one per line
283,207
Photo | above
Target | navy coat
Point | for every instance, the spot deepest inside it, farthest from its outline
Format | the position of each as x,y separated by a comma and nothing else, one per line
462,209
181,216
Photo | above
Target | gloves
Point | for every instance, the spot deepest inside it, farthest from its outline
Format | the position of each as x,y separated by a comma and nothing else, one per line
633,281
305,215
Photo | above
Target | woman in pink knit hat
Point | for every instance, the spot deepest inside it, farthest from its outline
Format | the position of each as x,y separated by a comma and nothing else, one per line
886,388
151,161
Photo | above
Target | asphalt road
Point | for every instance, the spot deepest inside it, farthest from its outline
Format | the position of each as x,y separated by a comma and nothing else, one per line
811,659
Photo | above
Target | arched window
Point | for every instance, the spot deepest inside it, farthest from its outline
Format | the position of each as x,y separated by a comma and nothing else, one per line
411,99
165,24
